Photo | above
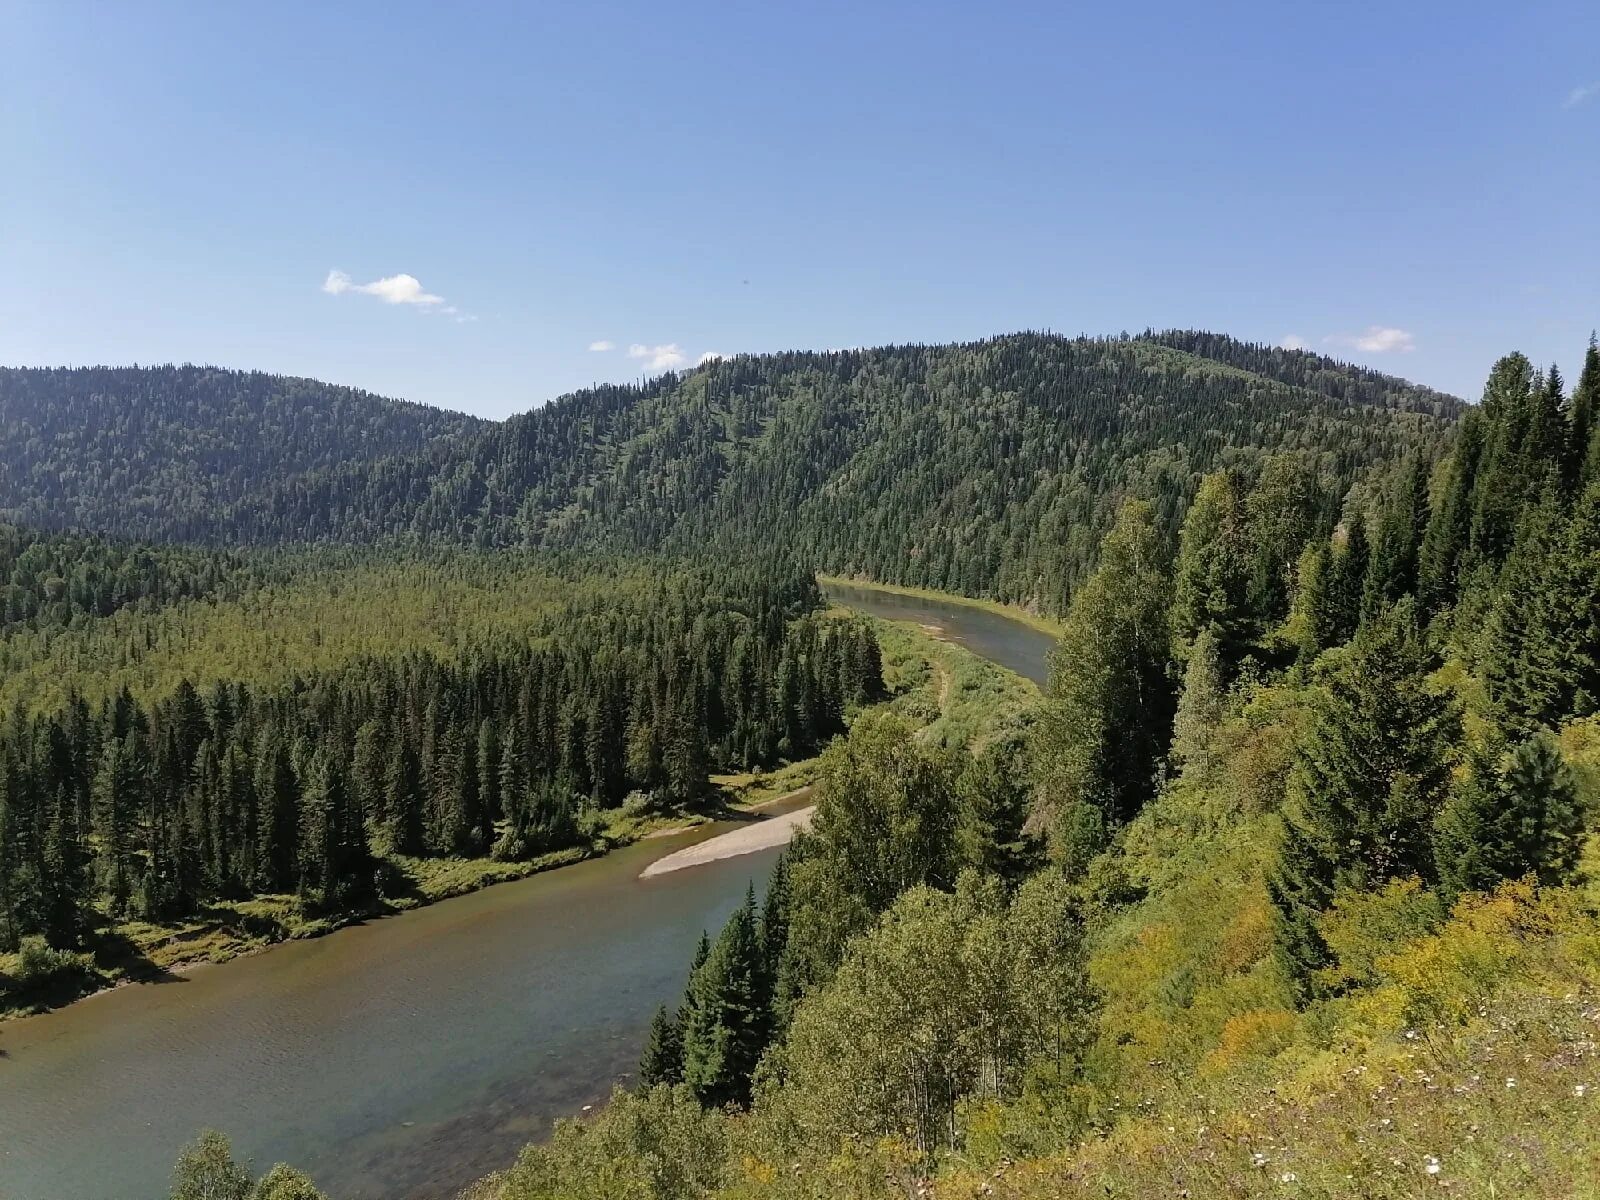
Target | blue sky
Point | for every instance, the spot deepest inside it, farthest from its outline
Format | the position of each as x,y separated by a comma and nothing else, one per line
1413,186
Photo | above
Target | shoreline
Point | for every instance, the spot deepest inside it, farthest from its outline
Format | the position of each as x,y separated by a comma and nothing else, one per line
492,873
750,839
1040,622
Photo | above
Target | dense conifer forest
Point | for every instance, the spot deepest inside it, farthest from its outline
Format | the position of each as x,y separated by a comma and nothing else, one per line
152,808
988,468
1287,886
150,451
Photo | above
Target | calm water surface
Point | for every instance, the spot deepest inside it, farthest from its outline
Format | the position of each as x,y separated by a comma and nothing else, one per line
1015,646
402,1058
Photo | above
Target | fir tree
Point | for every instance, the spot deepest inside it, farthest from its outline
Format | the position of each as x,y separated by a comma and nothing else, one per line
726,1025
1200,706
1517,816
662,1062
1107,719
1207,579
1367,783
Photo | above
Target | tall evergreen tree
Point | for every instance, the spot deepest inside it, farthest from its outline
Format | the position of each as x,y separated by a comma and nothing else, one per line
662,1062
726,1028
1107,718
1520,815
1370,776
1208,581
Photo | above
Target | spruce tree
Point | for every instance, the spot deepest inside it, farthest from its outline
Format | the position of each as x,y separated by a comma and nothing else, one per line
662,1062
1280,514
1444,543
1585,416
995,806
1107,720
1368,780
1208,577
1516,814
1540,651
725,1029
1200,706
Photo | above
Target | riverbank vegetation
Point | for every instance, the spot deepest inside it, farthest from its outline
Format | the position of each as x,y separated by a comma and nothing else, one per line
252,811
1284,886
1288,891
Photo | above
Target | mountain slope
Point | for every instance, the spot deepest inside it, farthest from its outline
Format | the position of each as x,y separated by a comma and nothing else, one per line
149,451
987,467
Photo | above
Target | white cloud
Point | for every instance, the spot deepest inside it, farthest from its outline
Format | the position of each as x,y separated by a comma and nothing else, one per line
391,289
1376,339
659,358
602,345
1293,341
709,356
1578,95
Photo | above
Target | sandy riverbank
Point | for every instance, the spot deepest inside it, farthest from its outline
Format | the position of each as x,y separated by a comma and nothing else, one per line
759,835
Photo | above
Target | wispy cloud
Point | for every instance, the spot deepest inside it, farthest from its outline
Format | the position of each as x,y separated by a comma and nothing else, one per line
1376,339
602,345
395,289
709,356
664,357
1293,341
1578,95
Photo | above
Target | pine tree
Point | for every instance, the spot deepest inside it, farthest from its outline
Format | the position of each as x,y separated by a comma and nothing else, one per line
1517,816
1107,720
662,1062
1368,780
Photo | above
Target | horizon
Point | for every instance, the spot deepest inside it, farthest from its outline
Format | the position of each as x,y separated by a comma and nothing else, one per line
683,372
482,210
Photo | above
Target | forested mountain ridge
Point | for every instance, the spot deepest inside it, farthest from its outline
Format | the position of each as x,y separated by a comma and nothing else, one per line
148,451
988,467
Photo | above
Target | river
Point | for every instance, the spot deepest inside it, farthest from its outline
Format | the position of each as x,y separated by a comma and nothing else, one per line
405,1057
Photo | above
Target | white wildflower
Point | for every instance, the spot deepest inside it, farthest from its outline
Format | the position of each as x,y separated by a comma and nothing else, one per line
1431,1163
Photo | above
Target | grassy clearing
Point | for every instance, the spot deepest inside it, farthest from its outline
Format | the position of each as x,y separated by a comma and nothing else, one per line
958,698
1043,622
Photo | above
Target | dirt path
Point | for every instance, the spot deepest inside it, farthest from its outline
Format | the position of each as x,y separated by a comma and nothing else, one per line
759,835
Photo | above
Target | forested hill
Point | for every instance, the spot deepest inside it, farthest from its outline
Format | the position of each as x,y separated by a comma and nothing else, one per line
987,467
150,451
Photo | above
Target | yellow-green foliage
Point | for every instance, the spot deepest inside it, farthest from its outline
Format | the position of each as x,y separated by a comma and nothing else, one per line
959,698
1458,1052
328,617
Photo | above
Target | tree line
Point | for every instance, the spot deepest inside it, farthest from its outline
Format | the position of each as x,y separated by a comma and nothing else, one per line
150,809
986,468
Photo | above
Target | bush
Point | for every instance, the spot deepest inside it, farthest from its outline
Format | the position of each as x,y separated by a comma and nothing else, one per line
41,966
